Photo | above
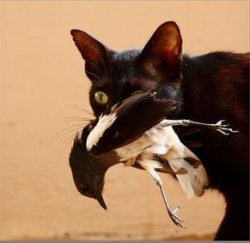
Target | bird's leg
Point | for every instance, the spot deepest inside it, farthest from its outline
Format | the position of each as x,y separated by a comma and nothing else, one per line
171,212
219,126
150,166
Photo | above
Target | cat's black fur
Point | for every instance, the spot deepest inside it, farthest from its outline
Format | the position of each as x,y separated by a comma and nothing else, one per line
209,87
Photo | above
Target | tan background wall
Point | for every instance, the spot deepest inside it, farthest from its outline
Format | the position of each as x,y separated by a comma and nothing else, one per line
42,82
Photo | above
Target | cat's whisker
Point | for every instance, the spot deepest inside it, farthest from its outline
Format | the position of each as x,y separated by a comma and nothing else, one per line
75,128
66,143
73,119
66,140
68,134
79,109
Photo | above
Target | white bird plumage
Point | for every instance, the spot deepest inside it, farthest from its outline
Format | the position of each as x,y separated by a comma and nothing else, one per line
104,122
161,140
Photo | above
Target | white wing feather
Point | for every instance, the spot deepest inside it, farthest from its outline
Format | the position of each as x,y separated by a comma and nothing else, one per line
187,166
188,177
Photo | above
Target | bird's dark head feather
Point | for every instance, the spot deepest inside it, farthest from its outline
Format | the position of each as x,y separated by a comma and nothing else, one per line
88,170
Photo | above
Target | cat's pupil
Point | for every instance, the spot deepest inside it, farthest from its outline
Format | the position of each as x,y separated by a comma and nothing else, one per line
101,97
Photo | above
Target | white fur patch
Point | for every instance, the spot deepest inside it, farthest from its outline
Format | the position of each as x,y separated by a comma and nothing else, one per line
102,125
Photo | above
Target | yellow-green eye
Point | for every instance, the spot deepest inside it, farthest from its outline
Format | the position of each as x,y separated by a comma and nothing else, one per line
137,92
101,98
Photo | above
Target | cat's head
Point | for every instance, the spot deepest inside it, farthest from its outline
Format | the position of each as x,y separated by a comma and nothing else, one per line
118,75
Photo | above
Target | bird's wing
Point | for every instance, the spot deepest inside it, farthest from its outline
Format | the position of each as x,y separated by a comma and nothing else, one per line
134,116
190,173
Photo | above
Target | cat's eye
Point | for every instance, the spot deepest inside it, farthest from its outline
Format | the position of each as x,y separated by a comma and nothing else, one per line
101,97
137,92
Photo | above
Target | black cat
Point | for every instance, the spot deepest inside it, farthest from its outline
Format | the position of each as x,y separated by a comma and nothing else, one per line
209,87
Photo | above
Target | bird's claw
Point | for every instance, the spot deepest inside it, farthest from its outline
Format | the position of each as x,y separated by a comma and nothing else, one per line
220,123
177,220
224,128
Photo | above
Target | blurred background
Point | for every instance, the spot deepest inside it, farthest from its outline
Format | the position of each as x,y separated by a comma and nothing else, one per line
42,91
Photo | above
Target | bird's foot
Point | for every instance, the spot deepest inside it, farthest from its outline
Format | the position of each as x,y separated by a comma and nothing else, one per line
130,162
224,128
177,220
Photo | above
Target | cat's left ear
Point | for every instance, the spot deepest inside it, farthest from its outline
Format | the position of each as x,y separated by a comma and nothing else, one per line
163,51
93,52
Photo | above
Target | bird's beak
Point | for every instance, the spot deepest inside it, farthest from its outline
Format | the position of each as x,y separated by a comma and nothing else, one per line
100,199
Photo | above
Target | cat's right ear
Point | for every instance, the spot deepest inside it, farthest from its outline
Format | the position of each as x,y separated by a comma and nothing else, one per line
163,52
93,52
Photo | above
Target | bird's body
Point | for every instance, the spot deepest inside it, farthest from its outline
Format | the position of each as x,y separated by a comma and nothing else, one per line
160,140
163,141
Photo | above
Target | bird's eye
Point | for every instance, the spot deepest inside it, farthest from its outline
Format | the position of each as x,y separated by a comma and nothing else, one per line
137,92
83,189
101,98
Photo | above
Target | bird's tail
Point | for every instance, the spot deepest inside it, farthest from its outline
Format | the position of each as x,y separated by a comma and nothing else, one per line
190,173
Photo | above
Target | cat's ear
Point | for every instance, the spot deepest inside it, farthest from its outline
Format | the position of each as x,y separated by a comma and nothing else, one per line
164,49
93,52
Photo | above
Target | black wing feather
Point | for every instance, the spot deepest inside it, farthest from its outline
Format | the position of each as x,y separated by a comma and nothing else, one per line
135,115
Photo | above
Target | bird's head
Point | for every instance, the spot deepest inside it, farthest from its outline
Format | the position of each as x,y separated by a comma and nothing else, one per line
91,186
88,170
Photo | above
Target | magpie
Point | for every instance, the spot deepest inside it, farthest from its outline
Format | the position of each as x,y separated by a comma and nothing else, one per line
137,132
88,169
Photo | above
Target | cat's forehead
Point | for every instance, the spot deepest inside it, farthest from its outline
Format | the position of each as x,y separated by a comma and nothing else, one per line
126,72
126,56
124,61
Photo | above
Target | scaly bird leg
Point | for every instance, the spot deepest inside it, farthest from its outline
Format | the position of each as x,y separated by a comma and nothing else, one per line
171,212
219,126
150,166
